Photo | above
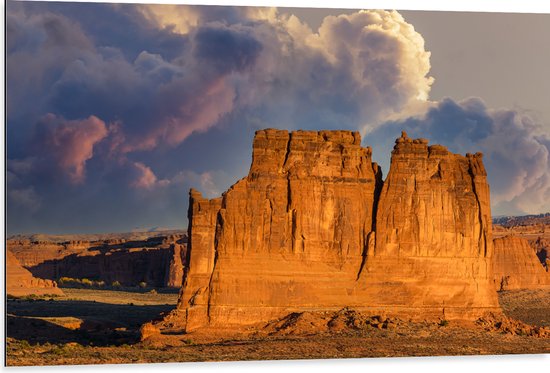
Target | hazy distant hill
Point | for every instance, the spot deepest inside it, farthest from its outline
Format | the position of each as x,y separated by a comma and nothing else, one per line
134,236
513,221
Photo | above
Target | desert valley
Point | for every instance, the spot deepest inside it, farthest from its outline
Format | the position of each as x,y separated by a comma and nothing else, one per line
314,254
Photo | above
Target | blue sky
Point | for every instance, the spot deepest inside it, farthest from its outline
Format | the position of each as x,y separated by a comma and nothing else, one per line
115,111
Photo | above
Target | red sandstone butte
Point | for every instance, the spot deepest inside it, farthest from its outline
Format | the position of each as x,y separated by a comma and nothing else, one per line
314,227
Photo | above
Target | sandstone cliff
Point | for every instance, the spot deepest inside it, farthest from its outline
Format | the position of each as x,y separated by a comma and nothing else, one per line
20,282
313,227
517,266
158,261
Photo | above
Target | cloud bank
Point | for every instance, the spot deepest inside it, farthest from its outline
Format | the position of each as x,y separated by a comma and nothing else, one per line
127,106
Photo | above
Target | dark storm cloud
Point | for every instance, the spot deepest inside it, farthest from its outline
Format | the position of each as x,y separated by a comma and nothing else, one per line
225,49
516,152
121,26
106,99
276,64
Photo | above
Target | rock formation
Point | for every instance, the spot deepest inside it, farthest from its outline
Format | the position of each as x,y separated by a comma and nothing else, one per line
433,232
157,261
20,282
542,248
313,227
174,274
533,228
516,265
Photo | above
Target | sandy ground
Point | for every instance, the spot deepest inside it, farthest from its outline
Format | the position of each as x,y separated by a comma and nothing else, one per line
94,327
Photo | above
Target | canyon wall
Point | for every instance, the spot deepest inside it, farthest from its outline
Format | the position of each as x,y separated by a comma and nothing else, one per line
313,227
157,261
20,282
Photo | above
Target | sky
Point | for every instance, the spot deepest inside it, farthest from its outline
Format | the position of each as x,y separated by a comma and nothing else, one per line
115,110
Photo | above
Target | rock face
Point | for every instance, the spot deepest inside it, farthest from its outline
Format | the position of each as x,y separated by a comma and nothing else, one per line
313,227
177,254
20,282
533,228
158,261
542,248
517,266
433,232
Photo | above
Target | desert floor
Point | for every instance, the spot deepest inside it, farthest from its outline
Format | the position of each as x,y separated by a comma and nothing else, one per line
99,326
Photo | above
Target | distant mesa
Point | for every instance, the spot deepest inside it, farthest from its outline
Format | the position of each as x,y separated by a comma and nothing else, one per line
525,221
129,259
314,227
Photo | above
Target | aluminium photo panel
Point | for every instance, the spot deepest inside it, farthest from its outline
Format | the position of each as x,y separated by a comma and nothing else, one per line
193,183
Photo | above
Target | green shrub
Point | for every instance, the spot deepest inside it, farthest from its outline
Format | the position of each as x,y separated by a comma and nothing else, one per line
69,282
143,284
58,350
116,284
24,344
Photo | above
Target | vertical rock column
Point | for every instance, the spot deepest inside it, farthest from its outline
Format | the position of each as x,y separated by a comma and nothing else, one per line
201,257
433,234
174,273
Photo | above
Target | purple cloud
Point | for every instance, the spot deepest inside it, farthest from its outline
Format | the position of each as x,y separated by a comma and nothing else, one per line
67,144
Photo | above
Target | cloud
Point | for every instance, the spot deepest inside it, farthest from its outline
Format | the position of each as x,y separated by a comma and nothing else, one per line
516,150
37,46
19,195
146,178
67,144
134,104
209,182
25,198
355,70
